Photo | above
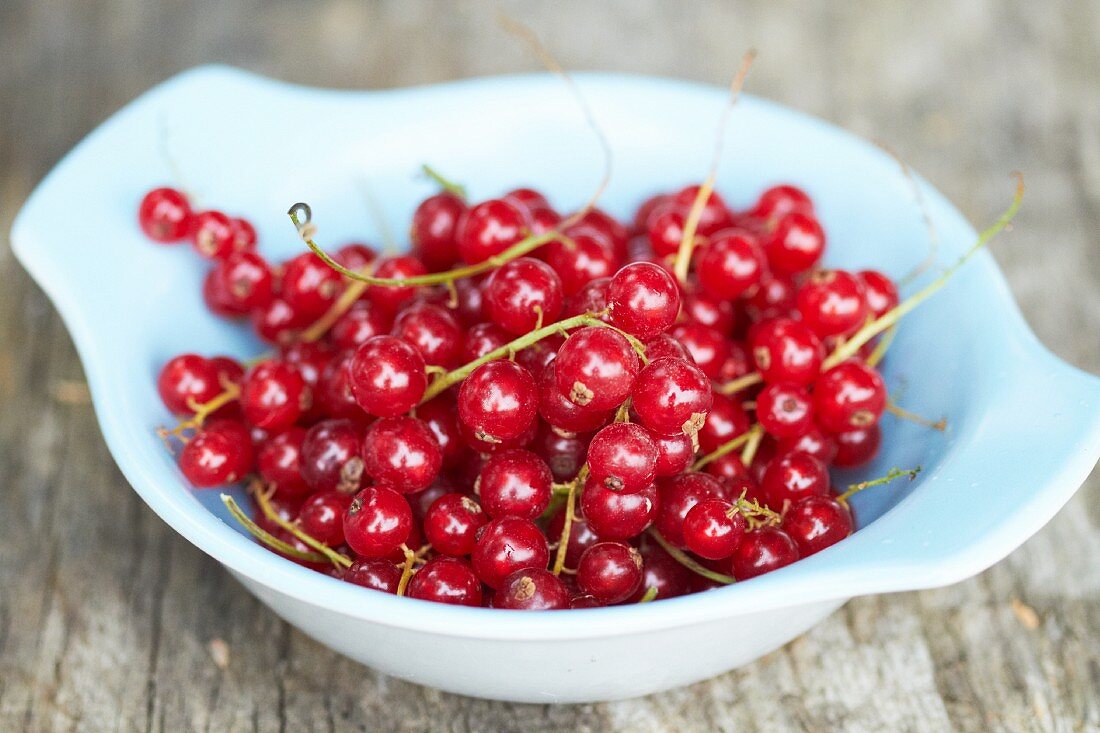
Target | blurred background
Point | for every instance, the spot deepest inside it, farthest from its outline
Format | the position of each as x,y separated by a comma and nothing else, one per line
108,620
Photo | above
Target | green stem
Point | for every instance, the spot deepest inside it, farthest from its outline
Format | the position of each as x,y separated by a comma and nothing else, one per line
519,249
852,346
649,595
756,434
567,525
681,557
267,538
747,380
445,183
333,556
893,473
728,447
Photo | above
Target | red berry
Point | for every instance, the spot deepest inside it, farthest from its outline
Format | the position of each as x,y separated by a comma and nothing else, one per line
244,234
817,522
713,529
762,551
793,477
218,454
663,346
277,321
850,396
796,245
616,516
488,229
533,589
661,572
322,517
274,395
880,291
644,299
581,537
359,323
715,215
786,350
521,294
390,298
857,447
709,349
833,303
814,441
557,410
380,575
279,463
665,229
564,452
707,310
446,580
387,376
526,198
785,410
401,453
678,495
433,230
309,286
595,368
498,401
773,298
186,381
607,227
609,571
377,522
671,397
622,457
592,298
432,331
244,282
515,482
507,545
165,215
779,201
587,258
355,256
730,264
330,458
451,524
725,421
674,454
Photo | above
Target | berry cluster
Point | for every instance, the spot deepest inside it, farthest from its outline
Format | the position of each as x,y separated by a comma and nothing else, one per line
531,411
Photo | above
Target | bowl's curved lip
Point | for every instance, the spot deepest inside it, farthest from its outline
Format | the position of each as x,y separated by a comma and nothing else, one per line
812,580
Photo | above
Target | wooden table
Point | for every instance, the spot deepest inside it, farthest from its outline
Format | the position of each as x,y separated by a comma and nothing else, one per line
107,617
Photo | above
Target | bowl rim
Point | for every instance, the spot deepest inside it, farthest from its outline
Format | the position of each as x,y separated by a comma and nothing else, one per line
810,580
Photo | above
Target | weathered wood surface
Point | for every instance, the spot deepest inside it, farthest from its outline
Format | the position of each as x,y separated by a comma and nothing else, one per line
107,617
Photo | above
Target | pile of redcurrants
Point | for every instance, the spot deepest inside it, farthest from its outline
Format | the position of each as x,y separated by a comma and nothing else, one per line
531,411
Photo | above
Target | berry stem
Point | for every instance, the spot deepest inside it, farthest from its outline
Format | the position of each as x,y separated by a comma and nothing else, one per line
741,383
262,499
893,473
457,375
728,447
407,571
682,557
267,538
301,215
755,513
882,346
850,347
756,434
649,595
445,183
347,299
900,412
567,525
230,392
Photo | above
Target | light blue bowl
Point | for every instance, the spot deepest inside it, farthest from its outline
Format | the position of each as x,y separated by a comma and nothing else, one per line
1024,427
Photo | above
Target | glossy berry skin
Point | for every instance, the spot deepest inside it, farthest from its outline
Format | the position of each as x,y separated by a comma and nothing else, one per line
762,551
708,348
644,299
377,521
187,380
165,215
616,516
433,230
279,463
522,294
850,396
595,368
785,350
665,230
622,457
833,303
515,482
609,571
359,323
704,309
674,454
309,285
334,394
817,522
387,376
785,410
526,198
713,529
391,298
218,454
725,421
814,441
793,477
355,256
715,214
488,229
880,291
482,339
273,395
581,537
558,411
774,297
857,447
590,258
451,524
441,417
506,545
592,298
564,452
401,453
212,235
730,264
678,495
498,401
330,456
244,282
671,397
796,244
276,322
446,580
533,589
778,201
322,517
381,575
662,572
432,331
663,346
728,466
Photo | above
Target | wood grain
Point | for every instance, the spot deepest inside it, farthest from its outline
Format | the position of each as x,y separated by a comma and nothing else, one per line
107,617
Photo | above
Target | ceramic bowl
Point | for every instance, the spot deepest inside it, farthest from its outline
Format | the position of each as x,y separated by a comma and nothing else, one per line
1024,427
